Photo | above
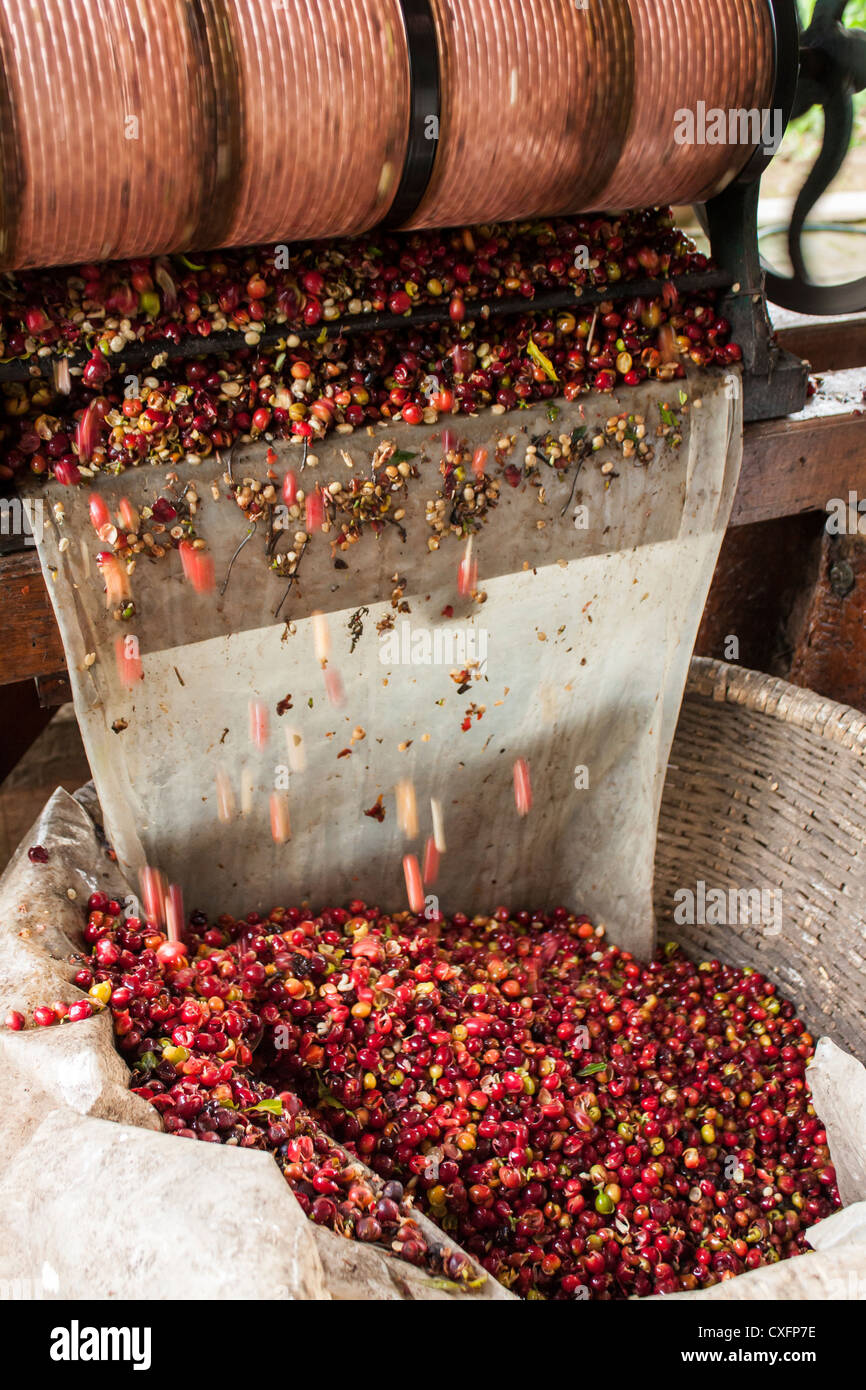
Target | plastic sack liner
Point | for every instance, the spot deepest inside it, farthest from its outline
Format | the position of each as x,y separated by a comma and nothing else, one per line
594,588
75,1142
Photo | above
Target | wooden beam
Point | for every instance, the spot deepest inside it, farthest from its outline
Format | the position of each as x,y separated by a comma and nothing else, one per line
827,345
794,466
54,690
29,639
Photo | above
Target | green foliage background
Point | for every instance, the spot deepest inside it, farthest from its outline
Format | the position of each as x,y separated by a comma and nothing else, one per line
855,12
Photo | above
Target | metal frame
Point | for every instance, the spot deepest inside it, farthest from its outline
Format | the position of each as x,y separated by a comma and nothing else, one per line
823,66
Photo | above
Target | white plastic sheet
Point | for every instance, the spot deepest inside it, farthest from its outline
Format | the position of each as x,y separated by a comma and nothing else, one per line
64,1166
592,608
78,1151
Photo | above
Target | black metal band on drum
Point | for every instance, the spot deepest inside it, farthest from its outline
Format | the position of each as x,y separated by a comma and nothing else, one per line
425,100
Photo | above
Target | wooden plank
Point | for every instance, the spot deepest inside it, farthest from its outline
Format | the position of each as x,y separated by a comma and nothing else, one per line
797,466
798,463
54,690
828,345
29,640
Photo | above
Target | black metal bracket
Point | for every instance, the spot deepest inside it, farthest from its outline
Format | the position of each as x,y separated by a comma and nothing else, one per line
832,69
774,381
824,66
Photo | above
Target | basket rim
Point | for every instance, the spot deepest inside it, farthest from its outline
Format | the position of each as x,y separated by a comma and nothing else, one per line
778,699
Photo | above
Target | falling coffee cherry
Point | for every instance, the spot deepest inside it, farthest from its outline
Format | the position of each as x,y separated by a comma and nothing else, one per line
467,572
115,578
128,516
314,507
225,796
321,636
198,567
258,723
334,688
522,787
414,883
281,829
153,894
174,912
100,516
431,862
128,657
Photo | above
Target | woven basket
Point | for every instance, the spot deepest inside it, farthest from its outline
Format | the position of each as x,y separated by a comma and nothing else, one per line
766,789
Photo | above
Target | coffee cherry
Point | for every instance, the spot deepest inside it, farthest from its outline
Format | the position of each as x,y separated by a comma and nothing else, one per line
80,1010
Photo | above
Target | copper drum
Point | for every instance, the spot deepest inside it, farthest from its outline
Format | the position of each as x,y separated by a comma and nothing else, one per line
551,107
323,92
140,127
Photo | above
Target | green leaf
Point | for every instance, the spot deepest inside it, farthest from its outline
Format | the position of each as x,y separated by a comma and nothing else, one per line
541,361
593,1069
403,456
437,1282
552,413
683,397
190,265
332,1103
269,1107
326,1098
667,415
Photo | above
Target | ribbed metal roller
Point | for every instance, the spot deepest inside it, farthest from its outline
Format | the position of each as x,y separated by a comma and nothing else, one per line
138,127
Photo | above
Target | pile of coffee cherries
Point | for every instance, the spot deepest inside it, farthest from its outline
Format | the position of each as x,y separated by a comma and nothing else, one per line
184,410
102,308
584,1125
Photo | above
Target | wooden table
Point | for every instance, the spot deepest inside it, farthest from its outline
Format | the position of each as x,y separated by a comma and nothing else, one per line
790,466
